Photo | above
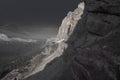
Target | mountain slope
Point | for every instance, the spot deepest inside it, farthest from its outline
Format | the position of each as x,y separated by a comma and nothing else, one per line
53,47
87,46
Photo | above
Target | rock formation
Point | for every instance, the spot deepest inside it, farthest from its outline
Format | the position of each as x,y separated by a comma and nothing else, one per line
52,49
87,46
69,23
96,41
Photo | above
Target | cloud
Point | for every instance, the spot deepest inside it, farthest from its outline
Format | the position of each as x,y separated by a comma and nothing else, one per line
4,37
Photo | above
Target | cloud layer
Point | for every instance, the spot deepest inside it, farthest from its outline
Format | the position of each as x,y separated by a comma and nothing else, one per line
4,37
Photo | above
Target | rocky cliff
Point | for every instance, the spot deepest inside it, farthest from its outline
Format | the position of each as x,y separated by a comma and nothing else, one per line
96,41
87,46
93,43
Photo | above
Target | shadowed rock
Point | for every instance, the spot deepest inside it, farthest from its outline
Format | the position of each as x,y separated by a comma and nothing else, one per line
88,45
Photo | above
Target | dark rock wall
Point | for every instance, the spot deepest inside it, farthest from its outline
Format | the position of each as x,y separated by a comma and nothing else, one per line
96,42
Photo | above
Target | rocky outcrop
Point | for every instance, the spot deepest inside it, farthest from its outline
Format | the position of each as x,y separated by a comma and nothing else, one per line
86,47
96,41
69,23
55,47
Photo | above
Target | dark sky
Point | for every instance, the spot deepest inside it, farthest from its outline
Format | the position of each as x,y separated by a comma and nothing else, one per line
35,11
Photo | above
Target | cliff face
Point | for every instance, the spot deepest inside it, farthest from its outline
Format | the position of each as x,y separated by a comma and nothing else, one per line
96,41
86,48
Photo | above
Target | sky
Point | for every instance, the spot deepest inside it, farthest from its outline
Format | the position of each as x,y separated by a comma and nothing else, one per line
35,11
34,18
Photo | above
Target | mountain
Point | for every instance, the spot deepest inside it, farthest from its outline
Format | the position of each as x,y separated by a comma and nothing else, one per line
52,49
16,52
86,47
